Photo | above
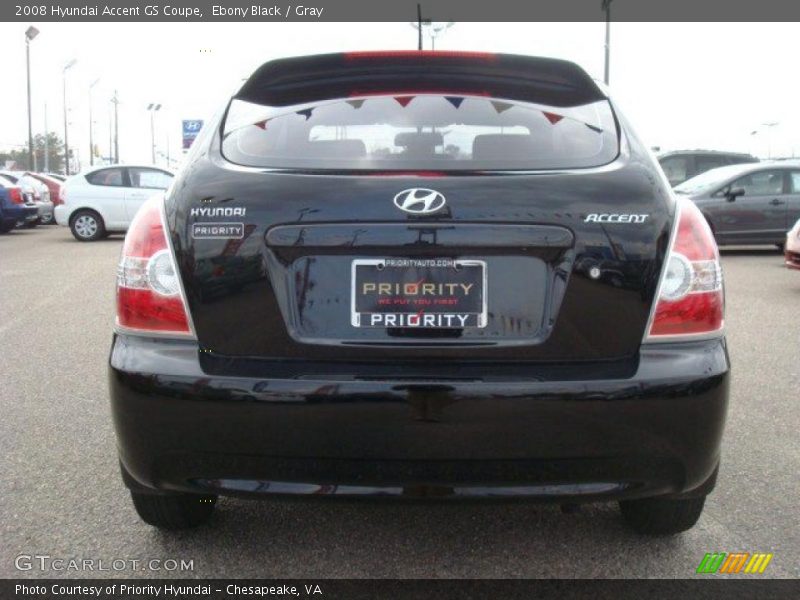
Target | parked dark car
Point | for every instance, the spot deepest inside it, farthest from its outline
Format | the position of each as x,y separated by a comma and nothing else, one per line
35,191
13,208
748,204
681,165
413,310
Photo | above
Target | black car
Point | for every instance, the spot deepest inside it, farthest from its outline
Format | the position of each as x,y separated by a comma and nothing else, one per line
434,274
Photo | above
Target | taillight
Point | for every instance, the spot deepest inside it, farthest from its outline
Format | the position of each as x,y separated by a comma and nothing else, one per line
690,301
149,294
15,195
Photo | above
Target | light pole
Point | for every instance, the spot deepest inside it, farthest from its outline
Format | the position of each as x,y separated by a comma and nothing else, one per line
46,143
769,125
67,67
115,102
152,109
30,34
435,29
91,123
607,8
438,29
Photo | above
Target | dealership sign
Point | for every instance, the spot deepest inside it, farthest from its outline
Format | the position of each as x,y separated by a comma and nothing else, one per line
191,127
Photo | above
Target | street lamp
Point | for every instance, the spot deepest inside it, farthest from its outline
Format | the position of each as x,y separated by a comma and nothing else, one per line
91,123
437,29
607,8
152,109
30,34
769,125
67,67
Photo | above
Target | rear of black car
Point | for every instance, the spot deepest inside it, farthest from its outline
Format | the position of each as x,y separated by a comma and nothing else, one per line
414,273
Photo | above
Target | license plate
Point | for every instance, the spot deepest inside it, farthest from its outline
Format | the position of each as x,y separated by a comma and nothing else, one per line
438,293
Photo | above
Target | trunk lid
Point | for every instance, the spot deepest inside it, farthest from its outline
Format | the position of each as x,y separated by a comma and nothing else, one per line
567,277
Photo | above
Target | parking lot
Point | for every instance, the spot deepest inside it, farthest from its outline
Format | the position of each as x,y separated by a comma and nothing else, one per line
63,497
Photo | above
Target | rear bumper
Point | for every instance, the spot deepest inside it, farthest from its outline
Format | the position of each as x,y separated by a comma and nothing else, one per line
18,214
792,250
44,209
656,432
61,214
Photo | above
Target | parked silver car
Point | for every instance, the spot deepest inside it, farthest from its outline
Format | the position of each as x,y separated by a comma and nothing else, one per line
750,203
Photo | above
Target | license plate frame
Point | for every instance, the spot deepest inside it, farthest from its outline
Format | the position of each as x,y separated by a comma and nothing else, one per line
475,319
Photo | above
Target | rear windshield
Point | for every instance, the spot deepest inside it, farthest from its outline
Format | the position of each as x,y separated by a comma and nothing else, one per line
421,132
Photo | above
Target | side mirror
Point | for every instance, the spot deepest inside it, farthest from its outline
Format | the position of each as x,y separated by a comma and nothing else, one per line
734,193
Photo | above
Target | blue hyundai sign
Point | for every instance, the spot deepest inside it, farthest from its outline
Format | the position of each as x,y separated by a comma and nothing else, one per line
191,127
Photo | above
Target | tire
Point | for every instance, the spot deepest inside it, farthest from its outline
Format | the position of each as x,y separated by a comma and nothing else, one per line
7,227
87,226
662,516
48,220
174,511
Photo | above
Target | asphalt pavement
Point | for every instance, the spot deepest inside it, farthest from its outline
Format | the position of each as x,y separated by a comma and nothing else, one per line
62,496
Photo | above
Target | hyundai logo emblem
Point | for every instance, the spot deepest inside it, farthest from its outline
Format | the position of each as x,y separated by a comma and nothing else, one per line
419,201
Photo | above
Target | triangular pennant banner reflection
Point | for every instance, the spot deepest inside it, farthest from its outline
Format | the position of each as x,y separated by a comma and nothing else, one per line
404,100
552,117
501,106
454,100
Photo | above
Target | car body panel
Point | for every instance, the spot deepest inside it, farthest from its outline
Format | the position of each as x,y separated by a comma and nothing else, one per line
643,427
792,247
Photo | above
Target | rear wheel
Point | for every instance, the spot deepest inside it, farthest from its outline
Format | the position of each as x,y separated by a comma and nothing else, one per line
662,516
87,226
7,227
174,511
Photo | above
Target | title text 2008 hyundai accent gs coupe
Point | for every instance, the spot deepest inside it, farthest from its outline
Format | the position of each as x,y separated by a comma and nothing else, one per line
420,273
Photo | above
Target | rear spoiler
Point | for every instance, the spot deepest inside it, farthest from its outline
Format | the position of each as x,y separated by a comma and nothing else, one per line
299,80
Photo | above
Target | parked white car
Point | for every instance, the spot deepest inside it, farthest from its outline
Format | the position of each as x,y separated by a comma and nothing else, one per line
105,199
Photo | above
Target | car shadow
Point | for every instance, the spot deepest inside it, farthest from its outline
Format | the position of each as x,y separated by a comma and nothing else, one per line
288,537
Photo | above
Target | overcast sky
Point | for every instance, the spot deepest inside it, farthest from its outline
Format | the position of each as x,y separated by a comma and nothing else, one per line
683,85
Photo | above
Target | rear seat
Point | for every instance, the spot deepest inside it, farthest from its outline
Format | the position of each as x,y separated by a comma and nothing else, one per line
499,146
335,149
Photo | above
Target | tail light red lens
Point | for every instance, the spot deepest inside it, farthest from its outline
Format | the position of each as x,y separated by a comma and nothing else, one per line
149,294
15,195
691,300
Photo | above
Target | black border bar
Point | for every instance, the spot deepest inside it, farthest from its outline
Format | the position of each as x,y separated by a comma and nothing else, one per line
398,10
399,589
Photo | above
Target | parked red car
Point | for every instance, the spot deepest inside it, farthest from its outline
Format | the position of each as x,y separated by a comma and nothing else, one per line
53,184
